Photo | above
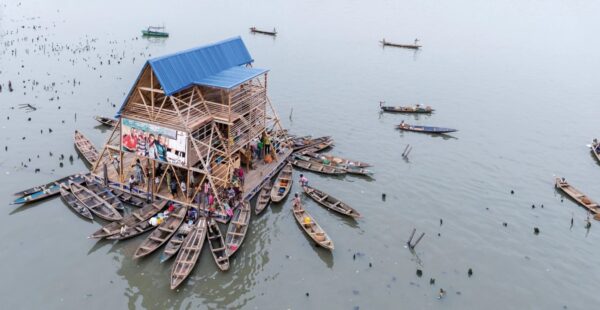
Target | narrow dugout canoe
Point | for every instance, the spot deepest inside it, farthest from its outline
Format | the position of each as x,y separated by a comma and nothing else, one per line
425,129
130,221
303,142
238,227
104,192
283,184
162,233
270,33
94,203
264,197
595,148
315,148
311,227
106,121
217,245
47,190
316,167
189,253
330,202
578,196
129,198
326,163
74,203
403,109
176,241
338,161
86,148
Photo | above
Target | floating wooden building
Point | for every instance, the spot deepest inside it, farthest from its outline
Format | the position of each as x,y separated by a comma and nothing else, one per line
190,118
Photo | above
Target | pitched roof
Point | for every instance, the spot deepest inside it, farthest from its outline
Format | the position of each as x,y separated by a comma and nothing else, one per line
216,65
220,65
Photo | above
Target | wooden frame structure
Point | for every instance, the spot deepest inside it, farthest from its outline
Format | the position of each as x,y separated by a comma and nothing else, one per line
218,124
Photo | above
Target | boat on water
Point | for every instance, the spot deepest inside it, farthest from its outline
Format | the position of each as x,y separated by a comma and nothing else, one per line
311,227
154,31
217,245
86,148
283,184
405,109
595,148
238,227
129,198
301,162
104,192
176,241
579,197
348,167
106,121
338,161
425,129
315,148
270,33
162,233
411,46
129,223
305,142
330,202
189,253
74,203
264,197
94,203
40,192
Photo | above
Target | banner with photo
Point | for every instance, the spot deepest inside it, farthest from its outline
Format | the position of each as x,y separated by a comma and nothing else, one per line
155,142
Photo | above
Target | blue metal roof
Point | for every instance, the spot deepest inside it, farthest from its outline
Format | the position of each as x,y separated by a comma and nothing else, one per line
216,65
220,65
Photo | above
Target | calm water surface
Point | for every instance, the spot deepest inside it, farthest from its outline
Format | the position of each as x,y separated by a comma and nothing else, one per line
519,79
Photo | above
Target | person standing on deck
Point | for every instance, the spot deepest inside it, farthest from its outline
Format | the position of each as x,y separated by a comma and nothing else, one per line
205,192
131,183
303,180
259,148
241,176
173,186
183,189
267,144
139,175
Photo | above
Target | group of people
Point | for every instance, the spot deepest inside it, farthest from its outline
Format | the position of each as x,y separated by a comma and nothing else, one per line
145,144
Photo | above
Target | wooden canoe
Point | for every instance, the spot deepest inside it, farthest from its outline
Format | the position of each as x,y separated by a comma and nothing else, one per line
76,178
264,197
130,221
330,202
176,241
189,253
47,190
351,169
86,148
425,129
74,203
283,184
594,148
315,148
129,198
316,167
217,245
132,231
104,192
162,233
410,46
358,171
579,197
96,204
106,121
303,142
270,33
401,109
238,227
311,227
338,161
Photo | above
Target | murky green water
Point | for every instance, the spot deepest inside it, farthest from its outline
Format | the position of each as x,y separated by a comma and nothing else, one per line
519,81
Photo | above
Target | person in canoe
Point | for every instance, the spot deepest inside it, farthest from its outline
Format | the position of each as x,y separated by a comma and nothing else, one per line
417,107
403,124
303,180
296,201
596,146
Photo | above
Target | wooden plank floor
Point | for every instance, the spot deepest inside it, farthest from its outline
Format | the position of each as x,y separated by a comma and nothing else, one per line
256,177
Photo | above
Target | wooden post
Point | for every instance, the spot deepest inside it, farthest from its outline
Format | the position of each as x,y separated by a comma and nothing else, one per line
411,237
105,171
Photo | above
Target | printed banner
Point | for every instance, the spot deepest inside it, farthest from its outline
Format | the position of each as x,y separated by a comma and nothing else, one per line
155,142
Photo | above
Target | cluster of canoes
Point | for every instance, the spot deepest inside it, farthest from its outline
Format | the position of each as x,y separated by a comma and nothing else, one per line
416,109
561,183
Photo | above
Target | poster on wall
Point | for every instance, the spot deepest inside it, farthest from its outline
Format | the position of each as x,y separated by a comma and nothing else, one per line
155,142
